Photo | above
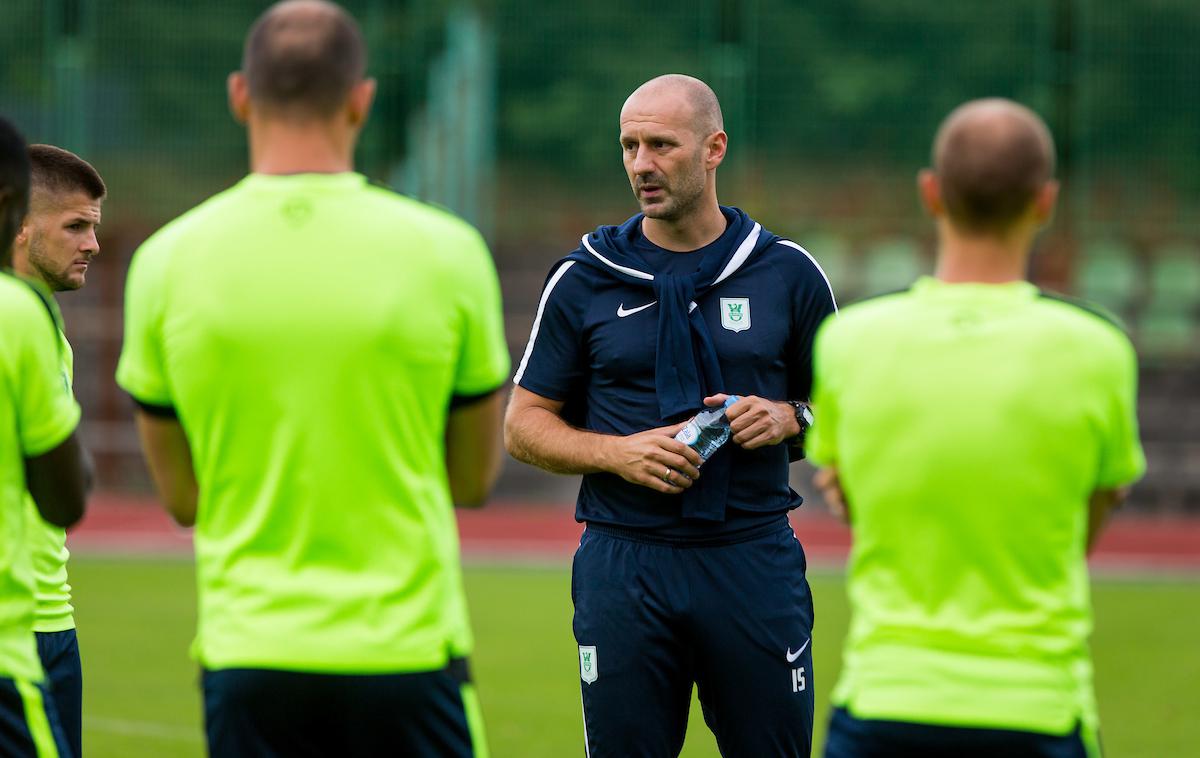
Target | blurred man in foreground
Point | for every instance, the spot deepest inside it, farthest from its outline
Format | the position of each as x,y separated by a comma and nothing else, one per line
977,432
39,453
315,362
53,248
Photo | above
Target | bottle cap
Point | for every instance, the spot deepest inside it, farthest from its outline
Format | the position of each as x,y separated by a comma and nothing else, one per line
731,400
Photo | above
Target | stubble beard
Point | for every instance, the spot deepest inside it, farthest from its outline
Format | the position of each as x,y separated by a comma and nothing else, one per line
56,279
682,198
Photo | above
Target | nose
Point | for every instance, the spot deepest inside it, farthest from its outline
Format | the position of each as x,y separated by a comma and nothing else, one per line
91,245
641,161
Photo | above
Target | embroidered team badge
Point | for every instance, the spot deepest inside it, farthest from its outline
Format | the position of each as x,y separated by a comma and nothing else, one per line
735,313
587,663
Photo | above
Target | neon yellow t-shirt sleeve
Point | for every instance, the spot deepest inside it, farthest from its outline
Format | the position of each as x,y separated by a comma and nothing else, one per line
141,370
46,410
1121,458
820,443
483,361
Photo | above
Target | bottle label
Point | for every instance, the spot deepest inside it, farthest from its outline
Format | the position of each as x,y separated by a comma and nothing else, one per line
689,434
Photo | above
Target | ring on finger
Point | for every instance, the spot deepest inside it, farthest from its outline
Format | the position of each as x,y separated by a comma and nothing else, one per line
666,477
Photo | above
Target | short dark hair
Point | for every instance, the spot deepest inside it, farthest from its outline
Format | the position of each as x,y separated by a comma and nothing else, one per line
59,171
991,157
14,187
303,57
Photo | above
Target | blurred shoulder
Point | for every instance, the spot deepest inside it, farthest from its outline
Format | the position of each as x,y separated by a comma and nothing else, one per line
431,223
24,300
1087,321
192,224
29,314
873,314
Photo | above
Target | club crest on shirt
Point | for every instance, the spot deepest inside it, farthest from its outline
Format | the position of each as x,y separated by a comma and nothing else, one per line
735,313
587,663
297,211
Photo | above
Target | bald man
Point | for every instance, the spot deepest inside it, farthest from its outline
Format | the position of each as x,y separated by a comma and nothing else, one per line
688,572
977,432
316,363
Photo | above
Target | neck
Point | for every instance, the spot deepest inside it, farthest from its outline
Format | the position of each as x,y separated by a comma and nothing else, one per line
278,147
690,232
984,259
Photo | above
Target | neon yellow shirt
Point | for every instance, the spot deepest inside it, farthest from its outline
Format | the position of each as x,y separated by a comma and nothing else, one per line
311,332
37,414
969,424
52,610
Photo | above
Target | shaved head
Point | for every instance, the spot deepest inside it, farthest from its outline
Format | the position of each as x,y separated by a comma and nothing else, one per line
991,157
702,108
302,57
58,174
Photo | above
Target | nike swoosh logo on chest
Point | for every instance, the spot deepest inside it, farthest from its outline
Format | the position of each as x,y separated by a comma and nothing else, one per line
622,312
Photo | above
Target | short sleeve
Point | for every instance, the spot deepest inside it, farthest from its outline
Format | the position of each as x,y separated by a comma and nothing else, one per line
1121,459
813,302
141,370
46,410
483,361
820,443
552,363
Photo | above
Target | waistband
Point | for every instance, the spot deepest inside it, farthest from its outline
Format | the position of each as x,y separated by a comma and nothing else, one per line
718,540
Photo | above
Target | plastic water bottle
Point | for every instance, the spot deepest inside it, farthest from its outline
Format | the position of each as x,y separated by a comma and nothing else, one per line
708,430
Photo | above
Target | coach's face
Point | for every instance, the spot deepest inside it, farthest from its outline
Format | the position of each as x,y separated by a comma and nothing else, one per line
59,237
665,159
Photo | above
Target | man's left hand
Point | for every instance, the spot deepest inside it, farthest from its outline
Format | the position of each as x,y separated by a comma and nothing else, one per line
757,422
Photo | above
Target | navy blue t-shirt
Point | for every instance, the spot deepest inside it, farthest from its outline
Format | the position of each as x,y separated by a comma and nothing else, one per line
593,345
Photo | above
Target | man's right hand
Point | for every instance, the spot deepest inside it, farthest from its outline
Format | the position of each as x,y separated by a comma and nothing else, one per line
830,486
654,459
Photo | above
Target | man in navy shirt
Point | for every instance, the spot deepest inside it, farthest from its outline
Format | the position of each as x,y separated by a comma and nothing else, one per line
684,574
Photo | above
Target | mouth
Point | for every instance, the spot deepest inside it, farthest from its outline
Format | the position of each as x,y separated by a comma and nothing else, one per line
650,191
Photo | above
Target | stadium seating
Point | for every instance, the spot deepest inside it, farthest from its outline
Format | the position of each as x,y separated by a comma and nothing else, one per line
1167,328
892,264
1108,274
833,254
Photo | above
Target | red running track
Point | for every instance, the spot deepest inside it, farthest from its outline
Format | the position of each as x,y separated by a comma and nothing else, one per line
521,531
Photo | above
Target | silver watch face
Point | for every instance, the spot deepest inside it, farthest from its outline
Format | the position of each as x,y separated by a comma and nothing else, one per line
806,415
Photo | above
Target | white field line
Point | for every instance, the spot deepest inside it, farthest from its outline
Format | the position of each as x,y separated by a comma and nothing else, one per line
154,729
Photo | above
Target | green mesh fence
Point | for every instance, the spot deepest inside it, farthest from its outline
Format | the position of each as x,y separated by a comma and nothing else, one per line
507,112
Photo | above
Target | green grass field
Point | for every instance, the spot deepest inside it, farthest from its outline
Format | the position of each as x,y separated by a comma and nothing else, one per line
136,617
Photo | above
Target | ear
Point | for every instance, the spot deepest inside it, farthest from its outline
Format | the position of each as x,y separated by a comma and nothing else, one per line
23,232
239,96
1045,201
929,189
714,150
358,105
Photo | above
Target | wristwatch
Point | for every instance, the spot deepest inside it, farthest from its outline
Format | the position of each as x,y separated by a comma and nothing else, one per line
804,419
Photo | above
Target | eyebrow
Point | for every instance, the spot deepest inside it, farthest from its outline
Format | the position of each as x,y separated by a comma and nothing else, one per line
650,138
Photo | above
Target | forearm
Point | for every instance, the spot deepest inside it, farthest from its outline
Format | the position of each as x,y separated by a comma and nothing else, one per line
473,450
59,481
541,438
169,458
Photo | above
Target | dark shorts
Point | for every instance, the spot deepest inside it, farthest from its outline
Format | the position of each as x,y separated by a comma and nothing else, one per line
850,737
652,618
261,713
28,722
59,652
